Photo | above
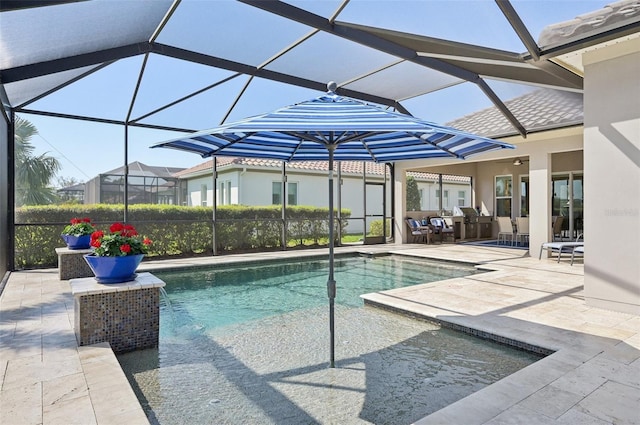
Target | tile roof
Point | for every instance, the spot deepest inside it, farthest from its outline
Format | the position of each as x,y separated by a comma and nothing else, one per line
347,167
537,110
610,15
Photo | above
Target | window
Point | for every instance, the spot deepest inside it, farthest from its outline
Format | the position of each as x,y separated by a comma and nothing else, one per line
421,194
445,201
221,192
524,196
276,193
292,193
203,195
462,198
224,192
503,196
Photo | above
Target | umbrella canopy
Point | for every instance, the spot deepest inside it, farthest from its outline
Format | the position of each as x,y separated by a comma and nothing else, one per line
355,131
333,127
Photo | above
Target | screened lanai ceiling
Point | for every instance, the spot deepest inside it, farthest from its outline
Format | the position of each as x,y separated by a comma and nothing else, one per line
189,65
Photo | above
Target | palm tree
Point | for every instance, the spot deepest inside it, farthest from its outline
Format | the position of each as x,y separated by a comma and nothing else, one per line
33,173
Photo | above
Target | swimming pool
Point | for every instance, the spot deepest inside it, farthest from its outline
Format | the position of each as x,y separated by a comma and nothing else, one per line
249,344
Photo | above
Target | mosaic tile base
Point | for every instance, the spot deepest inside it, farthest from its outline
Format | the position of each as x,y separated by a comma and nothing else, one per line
128,320
71,264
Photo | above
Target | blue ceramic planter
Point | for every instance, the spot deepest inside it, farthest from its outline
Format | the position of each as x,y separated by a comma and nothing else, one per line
114,269
77,242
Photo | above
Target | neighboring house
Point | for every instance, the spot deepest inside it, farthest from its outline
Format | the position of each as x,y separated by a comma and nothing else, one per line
74,193
147,185
247,181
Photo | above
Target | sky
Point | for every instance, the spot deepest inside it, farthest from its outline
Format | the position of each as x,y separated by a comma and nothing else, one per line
79,145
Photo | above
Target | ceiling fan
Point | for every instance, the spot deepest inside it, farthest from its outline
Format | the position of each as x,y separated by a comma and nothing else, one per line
516,161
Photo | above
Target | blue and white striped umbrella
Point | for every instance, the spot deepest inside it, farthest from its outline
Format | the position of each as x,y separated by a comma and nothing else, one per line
329,128
357,132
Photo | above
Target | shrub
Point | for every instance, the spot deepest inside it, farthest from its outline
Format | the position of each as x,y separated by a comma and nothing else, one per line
376,228
174,230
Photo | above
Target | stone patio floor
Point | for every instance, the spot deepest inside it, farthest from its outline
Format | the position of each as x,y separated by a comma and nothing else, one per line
593,377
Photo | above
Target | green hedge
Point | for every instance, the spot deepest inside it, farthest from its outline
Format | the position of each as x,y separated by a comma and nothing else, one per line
174,230
376,228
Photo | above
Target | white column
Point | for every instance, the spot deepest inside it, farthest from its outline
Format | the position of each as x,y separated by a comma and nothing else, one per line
612,177
539,201
400,207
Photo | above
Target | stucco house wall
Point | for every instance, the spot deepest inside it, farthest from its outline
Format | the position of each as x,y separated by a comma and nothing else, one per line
253,186
612,176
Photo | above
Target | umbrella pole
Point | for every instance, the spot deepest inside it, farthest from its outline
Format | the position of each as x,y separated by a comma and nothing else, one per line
331,283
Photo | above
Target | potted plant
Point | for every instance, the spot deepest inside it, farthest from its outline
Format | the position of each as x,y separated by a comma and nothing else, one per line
117,254
77,234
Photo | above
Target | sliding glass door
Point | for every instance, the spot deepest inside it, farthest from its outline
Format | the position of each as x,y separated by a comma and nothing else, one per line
568,201
524,196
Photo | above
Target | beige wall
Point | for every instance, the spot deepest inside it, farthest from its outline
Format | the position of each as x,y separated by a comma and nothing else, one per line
565,162
612,176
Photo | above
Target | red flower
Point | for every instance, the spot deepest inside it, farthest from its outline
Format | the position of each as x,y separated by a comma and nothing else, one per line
75,221
86,220
129,230
116,227
121,240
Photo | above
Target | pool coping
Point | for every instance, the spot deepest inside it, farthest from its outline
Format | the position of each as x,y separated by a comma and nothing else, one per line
478,333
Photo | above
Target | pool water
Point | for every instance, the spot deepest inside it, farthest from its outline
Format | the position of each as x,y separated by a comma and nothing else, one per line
216,298
250,344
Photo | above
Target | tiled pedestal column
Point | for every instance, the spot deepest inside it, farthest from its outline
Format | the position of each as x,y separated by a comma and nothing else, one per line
71,264
126,315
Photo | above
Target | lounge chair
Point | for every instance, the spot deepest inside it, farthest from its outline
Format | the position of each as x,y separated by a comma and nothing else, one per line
505,228
561,247
418,232
577,250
